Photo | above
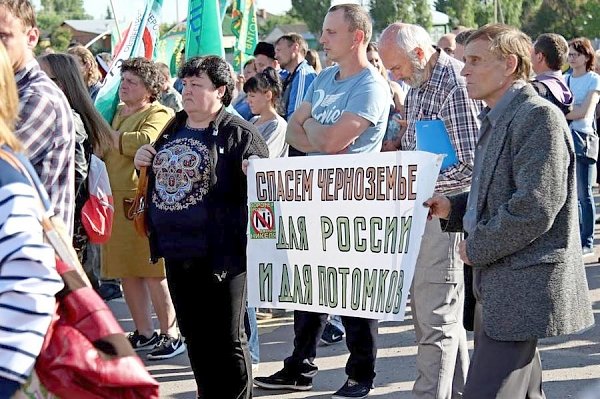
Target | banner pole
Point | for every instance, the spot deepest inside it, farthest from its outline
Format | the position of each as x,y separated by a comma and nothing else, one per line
112,6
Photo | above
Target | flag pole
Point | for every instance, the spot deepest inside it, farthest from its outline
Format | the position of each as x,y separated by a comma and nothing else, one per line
112,6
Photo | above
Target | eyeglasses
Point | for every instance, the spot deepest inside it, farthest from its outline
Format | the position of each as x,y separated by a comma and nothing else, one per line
574,55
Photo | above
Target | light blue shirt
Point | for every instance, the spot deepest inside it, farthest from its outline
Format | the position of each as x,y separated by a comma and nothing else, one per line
365,94
581,86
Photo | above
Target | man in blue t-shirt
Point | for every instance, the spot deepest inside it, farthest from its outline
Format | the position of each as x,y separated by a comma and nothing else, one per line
344,111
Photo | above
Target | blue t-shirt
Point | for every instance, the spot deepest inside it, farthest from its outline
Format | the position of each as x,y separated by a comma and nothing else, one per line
581,86
182,169
365,94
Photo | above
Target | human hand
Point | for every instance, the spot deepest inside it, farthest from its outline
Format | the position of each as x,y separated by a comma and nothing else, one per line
439,207
144,156
246,162
462,251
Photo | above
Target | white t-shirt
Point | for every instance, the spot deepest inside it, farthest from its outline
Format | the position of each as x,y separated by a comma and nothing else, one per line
581,86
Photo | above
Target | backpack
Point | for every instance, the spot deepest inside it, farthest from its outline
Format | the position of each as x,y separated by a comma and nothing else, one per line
545,92
98,210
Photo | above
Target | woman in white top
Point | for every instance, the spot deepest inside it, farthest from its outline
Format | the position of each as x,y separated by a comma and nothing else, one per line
585,85
263,91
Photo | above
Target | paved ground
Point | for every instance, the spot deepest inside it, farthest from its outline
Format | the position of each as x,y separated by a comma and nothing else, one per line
570,364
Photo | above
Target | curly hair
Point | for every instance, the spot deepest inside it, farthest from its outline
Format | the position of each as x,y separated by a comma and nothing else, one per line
148,72
92,75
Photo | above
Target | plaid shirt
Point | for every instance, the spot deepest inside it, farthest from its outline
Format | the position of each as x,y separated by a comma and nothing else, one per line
45,128
445,97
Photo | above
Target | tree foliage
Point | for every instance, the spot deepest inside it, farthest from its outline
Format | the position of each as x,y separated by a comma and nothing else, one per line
312,12
265,27
422,12
51,17
570,18
385,12
70,9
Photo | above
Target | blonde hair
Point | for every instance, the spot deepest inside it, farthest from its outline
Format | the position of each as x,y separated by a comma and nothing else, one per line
86,58
504,41
9,102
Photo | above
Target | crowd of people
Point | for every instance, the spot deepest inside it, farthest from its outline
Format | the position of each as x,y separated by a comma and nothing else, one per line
502,253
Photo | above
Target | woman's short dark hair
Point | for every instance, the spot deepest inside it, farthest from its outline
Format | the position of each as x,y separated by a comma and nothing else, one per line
584,46
267,80
215,68
148,72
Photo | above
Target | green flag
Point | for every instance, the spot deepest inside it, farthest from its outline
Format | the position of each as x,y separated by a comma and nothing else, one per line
243,26
169,46
204,35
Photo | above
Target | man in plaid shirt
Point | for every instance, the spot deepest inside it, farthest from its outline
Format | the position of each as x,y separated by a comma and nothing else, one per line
45,125
437,293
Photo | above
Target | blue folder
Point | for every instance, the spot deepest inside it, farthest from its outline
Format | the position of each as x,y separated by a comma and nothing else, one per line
432,136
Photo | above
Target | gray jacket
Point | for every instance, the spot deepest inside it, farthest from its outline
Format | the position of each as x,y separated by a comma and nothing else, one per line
526,241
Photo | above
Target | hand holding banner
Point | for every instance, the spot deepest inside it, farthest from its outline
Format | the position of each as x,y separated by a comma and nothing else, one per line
341,236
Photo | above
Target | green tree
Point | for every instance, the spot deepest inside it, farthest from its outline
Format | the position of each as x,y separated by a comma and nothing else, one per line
511,10
422,12
273,21
312,12
461,12
60,39
73,9
570,18
385,12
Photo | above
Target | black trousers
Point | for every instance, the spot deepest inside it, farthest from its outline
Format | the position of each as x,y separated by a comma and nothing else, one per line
361,340
210,314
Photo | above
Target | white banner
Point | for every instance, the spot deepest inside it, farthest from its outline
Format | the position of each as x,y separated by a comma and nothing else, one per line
337,234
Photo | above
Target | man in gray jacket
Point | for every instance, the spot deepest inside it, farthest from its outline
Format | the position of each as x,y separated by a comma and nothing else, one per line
521,221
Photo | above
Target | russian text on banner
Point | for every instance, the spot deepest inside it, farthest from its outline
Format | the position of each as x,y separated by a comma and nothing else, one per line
340,236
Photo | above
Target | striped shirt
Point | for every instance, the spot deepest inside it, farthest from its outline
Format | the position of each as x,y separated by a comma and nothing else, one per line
445,97
46,129
28,277
298,83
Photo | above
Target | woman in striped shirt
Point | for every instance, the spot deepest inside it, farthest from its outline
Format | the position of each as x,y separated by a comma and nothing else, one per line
28,277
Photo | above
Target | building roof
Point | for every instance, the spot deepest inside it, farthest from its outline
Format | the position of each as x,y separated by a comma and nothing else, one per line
96,26
280,30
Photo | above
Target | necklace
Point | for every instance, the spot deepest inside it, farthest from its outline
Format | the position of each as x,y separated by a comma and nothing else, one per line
195,129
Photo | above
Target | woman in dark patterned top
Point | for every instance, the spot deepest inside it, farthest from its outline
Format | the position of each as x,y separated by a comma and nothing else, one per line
197,217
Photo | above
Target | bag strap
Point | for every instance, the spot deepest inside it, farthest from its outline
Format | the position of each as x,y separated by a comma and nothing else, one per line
55,230
140,203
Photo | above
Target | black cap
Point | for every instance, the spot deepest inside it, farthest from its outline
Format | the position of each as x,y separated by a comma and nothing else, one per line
265,48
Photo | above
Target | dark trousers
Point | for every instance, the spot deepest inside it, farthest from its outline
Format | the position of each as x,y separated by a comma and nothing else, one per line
210,314
503,369
361,340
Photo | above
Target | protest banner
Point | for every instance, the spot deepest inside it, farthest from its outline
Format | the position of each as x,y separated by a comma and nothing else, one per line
337,234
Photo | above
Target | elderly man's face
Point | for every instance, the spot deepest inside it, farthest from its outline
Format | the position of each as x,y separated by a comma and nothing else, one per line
485,72
406,67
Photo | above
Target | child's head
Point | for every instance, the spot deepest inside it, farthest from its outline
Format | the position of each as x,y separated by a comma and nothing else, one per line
263,90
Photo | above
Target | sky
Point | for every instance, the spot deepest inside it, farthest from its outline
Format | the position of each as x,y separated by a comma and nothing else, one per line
126,9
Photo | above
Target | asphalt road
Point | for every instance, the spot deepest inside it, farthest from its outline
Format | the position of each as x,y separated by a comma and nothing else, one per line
571,364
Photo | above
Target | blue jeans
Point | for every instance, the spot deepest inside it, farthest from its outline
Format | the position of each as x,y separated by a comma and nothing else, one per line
252,332
587,208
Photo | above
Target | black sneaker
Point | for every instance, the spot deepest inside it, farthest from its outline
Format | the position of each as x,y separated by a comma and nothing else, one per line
142,343
353,389
166,348
285,379
331,335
